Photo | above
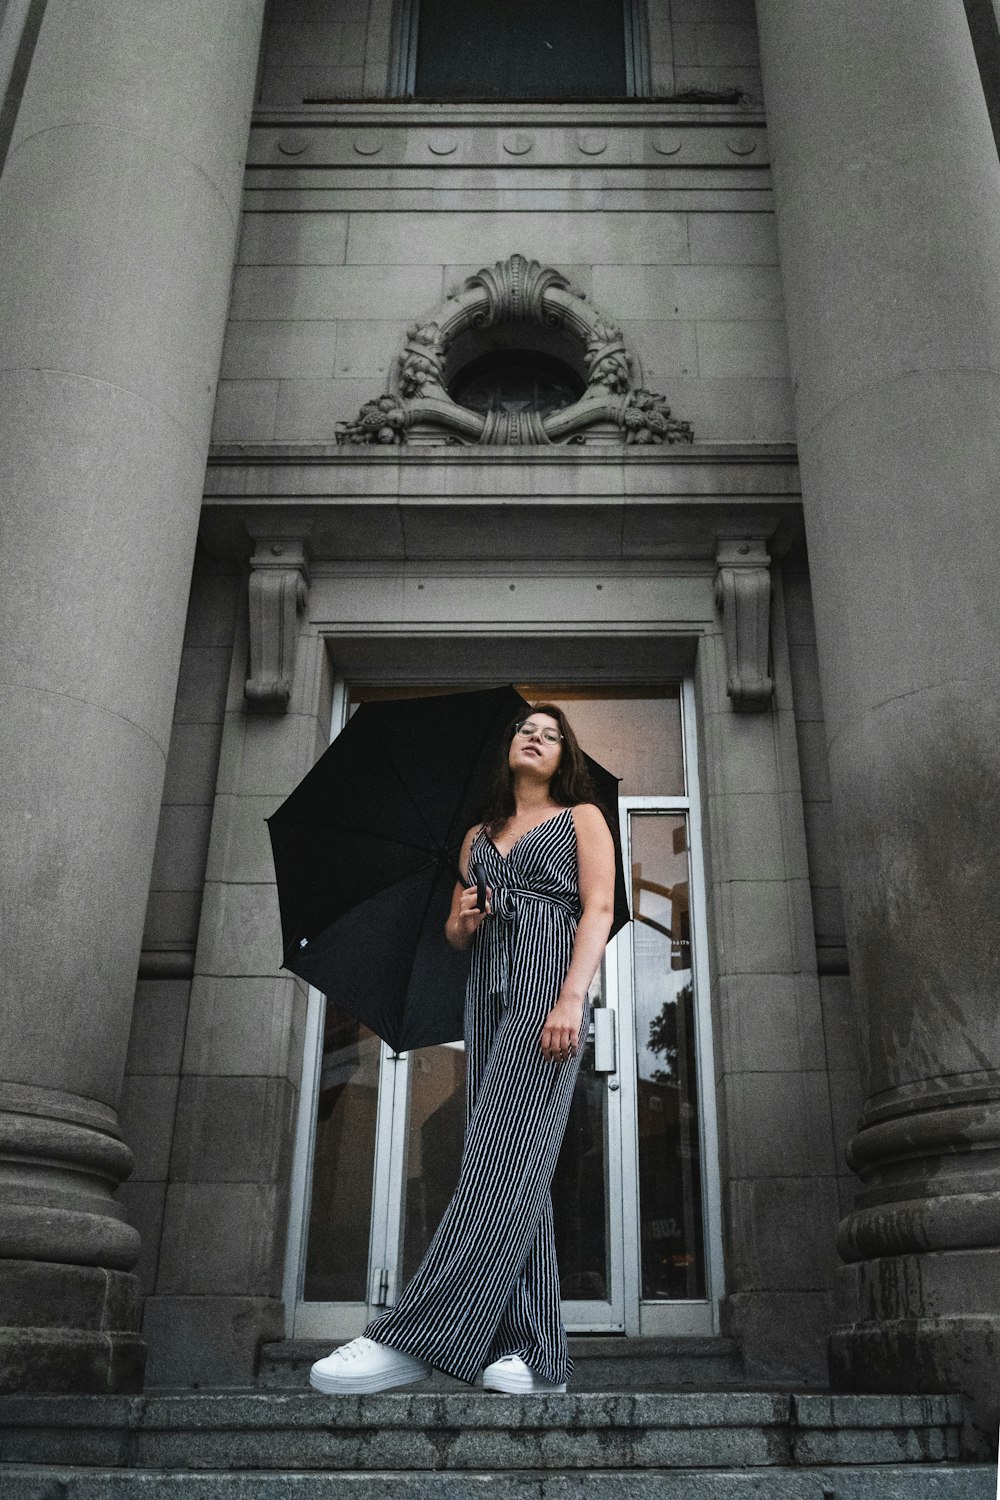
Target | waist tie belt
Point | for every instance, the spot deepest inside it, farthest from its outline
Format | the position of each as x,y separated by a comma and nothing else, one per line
499,944
504,906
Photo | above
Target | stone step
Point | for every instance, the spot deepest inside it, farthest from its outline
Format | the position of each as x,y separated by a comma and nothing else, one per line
474,1431
871,1482
601,1363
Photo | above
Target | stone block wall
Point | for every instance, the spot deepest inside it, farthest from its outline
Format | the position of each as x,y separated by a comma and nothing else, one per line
355,226
703,44
776,1112
153,1067
337,48
328,280
839,1019
215,1293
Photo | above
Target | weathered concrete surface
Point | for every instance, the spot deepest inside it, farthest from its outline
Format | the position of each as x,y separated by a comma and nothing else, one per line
875,1482
888,202
118,216
478,1430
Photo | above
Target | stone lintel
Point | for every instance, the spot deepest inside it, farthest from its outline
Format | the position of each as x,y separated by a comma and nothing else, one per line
630,505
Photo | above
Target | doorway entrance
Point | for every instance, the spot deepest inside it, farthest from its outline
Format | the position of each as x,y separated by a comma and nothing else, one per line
635,1195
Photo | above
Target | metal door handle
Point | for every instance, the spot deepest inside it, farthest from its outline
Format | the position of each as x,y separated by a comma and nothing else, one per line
605,1041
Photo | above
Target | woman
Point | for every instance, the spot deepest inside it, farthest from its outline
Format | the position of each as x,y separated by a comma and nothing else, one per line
487,1291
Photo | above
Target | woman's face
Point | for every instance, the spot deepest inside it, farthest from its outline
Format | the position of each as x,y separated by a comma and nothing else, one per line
533,753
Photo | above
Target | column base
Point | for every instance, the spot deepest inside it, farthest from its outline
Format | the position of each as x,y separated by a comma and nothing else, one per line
69,1330
933,1348
782,1334
209,1341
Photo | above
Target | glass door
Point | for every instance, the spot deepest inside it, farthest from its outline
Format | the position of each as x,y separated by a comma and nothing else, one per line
635,1195
419,1151
669,1171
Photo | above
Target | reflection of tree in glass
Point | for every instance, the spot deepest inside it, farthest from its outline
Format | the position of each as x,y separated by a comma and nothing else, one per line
663,1037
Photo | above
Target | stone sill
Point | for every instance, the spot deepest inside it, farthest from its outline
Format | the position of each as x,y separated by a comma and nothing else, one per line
387,112
576,456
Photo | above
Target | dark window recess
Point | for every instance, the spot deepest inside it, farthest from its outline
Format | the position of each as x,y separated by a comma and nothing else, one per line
512,381
521,49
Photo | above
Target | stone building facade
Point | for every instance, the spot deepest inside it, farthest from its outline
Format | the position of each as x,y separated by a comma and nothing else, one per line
730,488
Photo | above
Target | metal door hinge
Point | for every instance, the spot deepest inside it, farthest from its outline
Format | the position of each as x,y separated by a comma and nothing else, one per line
378,1287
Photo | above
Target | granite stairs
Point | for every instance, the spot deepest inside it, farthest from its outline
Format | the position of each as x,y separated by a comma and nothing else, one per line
638,1424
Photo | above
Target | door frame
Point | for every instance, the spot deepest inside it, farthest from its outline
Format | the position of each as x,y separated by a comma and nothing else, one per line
687,1317
628,1314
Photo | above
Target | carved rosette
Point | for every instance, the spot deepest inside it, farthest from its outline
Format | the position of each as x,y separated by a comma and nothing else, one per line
743,596
418,406
278,590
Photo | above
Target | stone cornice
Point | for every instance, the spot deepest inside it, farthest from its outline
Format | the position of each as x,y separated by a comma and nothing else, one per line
447,503
380,136
355,471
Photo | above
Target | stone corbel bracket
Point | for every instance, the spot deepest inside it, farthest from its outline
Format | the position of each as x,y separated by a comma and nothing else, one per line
743,597
279,588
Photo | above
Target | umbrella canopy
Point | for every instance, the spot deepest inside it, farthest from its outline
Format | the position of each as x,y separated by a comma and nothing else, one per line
366,857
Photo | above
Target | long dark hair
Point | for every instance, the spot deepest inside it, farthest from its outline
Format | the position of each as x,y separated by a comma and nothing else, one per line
571,781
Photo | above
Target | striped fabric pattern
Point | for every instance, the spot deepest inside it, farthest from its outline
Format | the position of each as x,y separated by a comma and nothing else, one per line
489,1283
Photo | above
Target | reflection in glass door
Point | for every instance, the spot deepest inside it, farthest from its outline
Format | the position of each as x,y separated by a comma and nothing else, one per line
635,1194
669,1146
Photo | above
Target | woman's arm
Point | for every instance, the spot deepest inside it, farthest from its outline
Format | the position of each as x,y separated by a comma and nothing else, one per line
464,918
596,868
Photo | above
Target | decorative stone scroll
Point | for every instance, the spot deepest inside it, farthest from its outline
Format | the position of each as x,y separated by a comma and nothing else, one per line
743,595
417,407
515,291
279,587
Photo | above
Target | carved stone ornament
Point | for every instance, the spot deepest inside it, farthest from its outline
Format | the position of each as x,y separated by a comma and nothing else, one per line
279,587
418,407
743,595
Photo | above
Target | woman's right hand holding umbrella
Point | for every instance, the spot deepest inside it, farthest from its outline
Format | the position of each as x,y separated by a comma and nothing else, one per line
465,919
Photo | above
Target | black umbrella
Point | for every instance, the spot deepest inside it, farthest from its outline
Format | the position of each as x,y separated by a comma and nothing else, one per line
366,857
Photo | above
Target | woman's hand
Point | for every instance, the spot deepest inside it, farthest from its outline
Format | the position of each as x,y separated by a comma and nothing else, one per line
466,918
561,1032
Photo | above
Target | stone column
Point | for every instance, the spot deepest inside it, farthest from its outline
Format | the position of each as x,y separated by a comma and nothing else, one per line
888,201
118,217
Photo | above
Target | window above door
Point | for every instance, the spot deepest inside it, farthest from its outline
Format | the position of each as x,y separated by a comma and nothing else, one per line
520,50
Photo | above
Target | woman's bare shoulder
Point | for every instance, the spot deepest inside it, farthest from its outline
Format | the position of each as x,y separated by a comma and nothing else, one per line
592,828
588,815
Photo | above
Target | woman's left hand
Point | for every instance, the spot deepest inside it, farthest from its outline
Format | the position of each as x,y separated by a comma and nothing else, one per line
561,1031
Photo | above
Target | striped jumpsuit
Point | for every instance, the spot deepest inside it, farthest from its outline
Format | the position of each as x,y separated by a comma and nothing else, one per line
488,1285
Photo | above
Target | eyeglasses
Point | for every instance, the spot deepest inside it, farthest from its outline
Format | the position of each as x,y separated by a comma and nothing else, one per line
549,735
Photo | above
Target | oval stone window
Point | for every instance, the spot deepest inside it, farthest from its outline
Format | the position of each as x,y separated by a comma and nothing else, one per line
513,380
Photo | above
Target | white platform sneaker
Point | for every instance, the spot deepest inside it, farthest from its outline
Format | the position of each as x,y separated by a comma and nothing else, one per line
362,1367
513,1375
